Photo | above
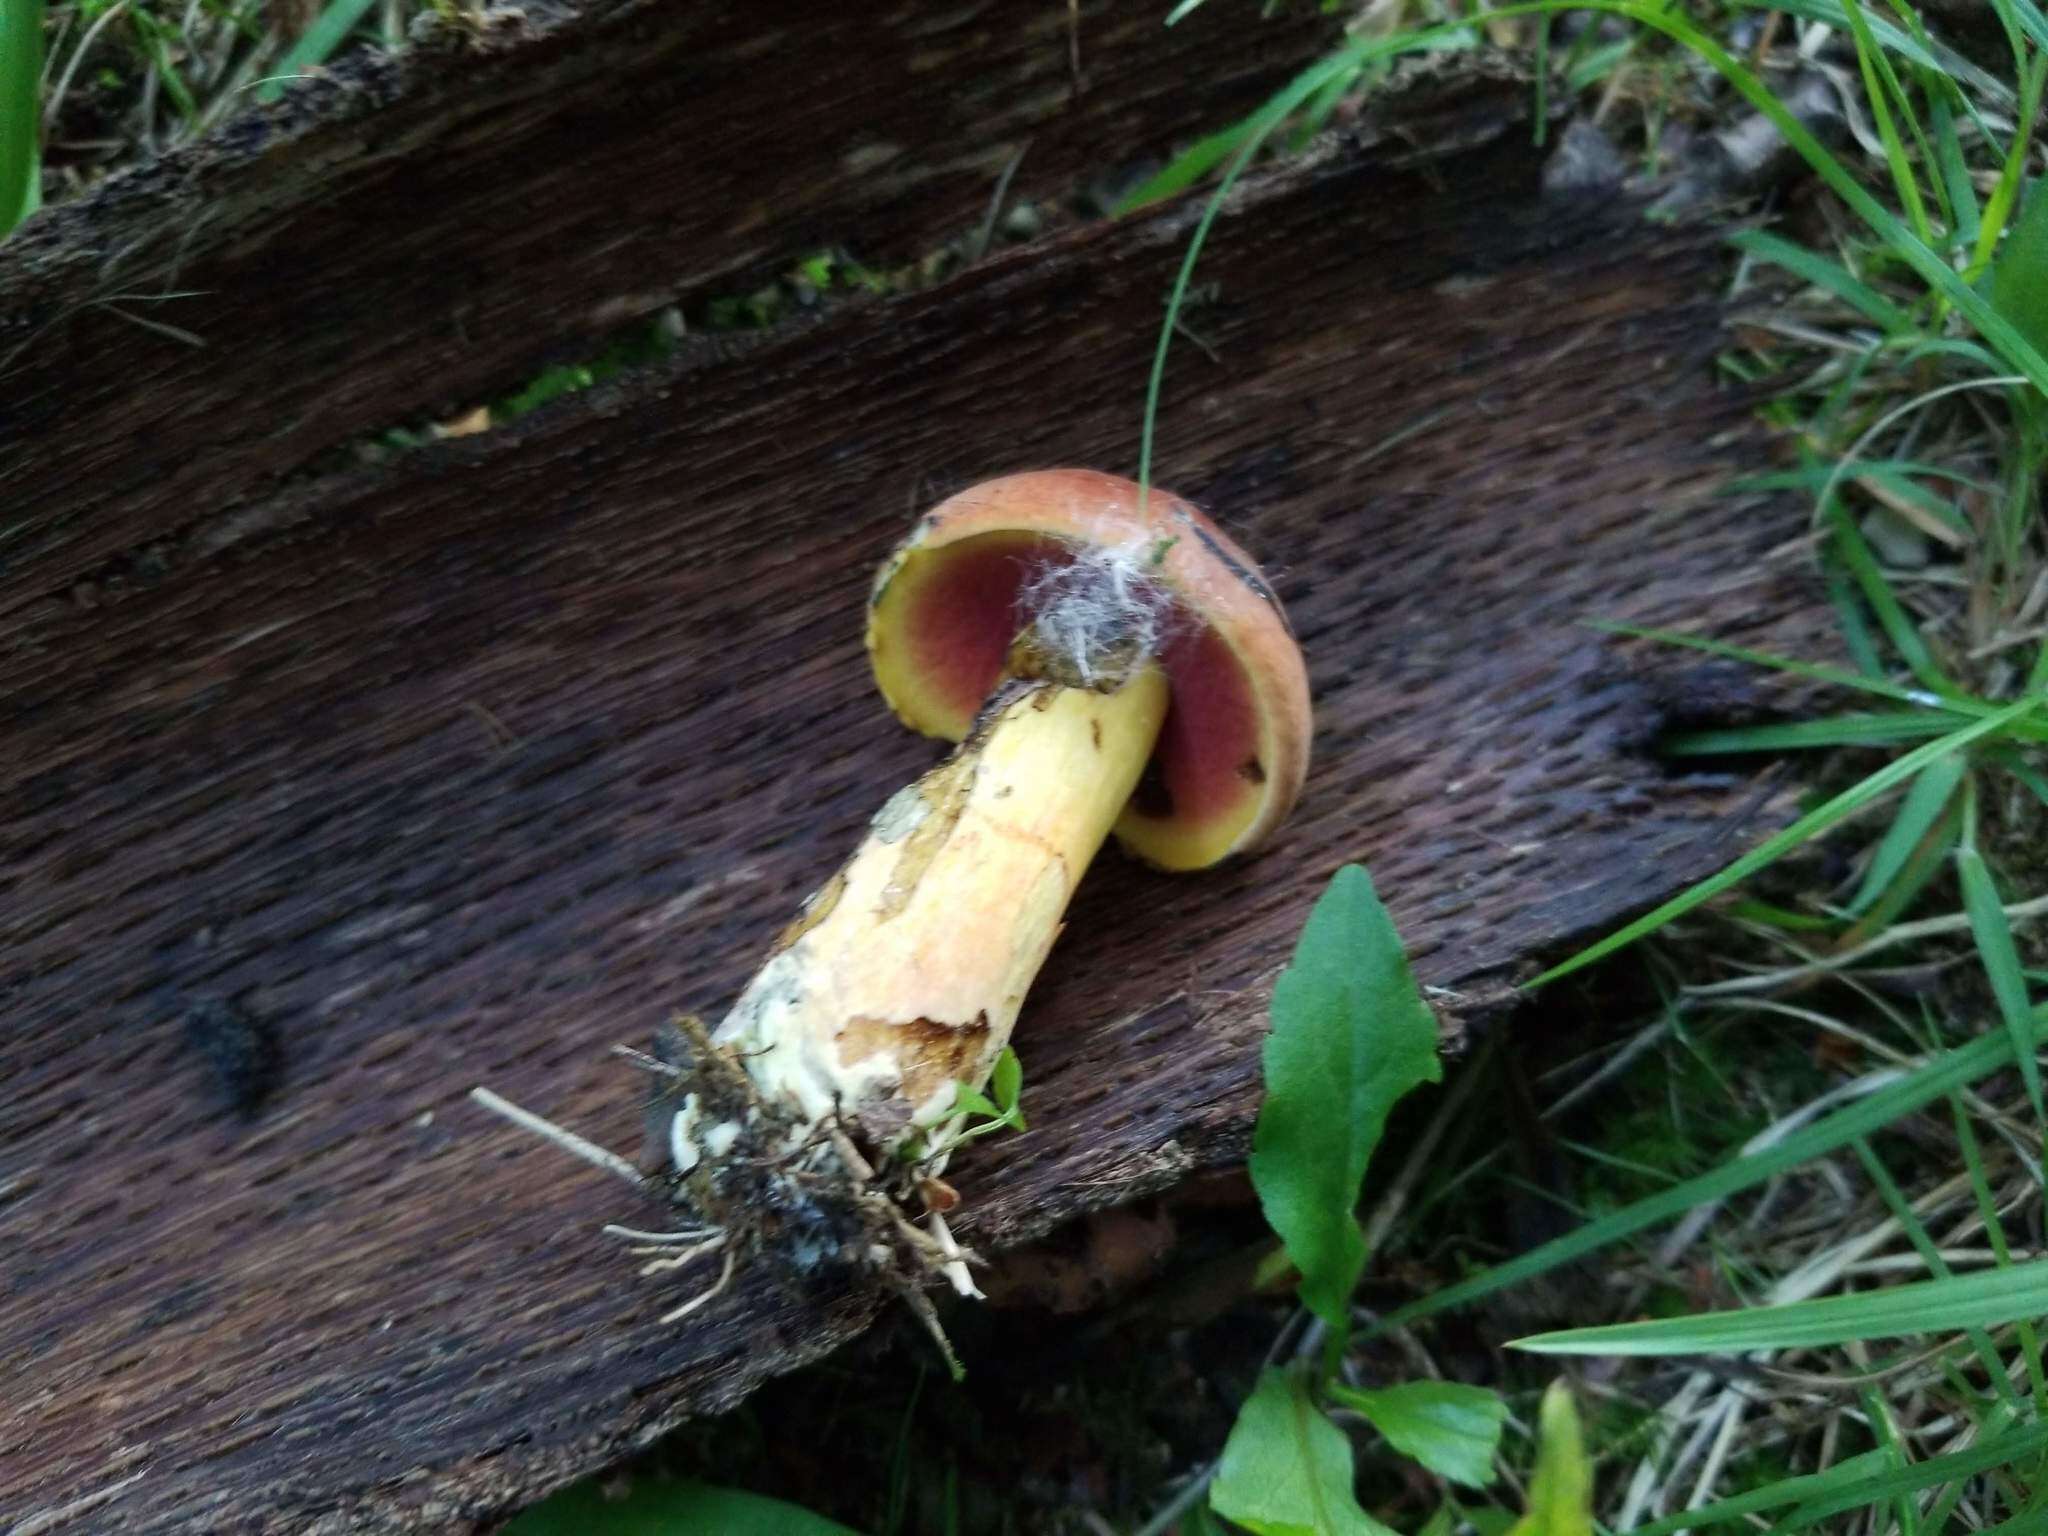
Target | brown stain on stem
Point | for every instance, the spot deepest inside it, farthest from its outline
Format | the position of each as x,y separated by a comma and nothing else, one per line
926,1053
945,792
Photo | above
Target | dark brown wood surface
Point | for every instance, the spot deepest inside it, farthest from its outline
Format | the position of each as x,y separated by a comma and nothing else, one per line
461,770
414,232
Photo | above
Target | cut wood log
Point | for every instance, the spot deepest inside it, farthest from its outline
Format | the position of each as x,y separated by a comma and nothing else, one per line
322,802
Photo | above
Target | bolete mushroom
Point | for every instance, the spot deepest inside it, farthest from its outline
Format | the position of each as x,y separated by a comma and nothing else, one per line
1109,661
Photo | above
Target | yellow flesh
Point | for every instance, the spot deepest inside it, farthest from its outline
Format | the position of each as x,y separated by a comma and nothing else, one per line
906,972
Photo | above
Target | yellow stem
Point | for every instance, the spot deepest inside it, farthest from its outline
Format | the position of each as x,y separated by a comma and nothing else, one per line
904,974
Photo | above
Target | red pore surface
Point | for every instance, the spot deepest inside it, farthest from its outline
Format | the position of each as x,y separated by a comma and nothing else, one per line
964,607
1206,767
964,612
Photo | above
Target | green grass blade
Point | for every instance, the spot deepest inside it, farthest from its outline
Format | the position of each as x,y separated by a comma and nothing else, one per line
2005,339
1909,490
1781,917
2020,769
1813,476
1933,1079
1916,1233
1878,82
2009,343
1928,859
1184,169
1994,1230
1857,639
1830,13
2001,962
1837,809
21,68
1996,1423
1276,111
1860,1481
1898,626
1812,671
1923,806
1812,267
1988,1298
2024,17
2033,1523
1951,163
1806,735
157,38
1594,64
1877,1414
329,31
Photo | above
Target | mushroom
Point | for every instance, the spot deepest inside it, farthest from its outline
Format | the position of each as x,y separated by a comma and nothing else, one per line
1109,662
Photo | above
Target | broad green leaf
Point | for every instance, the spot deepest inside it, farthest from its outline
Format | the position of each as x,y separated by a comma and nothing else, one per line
2001,962
1561,1492
967,1101
21,64
1921,808
1838,809
1987,1298
2019,273
1351,1035
1451,1429
1008,1082
1286,1469
670,1509
1933,1078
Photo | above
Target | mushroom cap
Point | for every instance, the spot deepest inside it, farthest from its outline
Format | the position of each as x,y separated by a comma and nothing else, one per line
1233,751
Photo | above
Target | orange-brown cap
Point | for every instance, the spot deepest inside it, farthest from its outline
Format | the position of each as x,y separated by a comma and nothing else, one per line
1234,749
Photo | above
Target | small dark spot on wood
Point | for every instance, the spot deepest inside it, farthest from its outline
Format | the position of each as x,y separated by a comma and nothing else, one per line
1252,770
1095,733
240,1047
179,1303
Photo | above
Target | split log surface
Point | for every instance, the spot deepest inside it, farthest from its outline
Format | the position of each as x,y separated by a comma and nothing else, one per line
460,770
